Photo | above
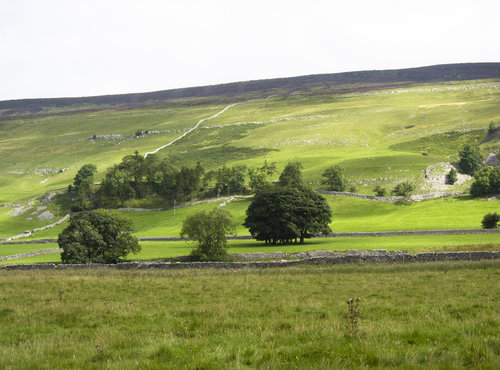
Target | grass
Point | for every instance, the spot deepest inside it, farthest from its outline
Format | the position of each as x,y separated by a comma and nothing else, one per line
10,249
283,318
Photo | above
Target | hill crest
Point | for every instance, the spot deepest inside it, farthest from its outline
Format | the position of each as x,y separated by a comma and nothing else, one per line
379,79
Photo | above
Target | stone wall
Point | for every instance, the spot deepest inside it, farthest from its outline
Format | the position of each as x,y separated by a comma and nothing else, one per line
355,257
415,198
30,254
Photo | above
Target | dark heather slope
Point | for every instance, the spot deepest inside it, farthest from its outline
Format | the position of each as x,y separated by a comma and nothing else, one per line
260,88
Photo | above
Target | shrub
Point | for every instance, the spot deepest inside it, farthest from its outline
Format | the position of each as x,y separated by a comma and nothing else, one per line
404,188
380,191
490,221
492,127
452,177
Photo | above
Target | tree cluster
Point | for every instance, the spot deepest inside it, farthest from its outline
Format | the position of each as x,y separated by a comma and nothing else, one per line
139,177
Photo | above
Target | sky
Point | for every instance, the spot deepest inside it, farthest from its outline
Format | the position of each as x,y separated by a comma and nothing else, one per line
67,48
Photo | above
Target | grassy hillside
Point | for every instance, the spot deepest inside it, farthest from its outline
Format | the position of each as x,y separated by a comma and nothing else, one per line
390,135
380,135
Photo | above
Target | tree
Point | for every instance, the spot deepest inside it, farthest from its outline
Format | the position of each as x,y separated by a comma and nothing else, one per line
269,169
335,179
490,221
404,188
470,159
135,168
223,177
87,170
209,229
237,180
282,214
292,174
116,184
258,179
452,177
85,192
99,236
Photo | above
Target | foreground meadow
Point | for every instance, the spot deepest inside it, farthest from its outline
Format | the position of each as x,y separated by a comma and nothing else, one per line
412,316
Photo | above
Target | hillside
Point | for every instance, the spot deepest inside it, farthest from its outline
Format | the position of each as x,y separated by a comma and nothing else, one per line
328,83
382,127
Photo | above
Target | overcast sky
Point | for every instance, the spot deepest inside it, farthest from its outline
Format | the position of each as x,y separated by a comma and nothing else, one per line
58,48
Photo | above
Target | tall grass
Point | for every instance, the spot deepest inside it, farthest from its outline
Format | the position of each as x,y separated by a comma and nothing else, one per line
443,315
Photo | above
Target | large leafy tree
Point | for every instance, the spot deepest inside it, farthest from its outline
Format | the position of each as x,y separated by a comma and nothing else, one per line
209,229
470,159
99,236
283,214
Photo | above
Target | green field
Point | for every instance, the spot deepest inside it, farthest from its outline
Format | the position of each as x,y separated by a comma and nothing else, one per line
280,318
349,214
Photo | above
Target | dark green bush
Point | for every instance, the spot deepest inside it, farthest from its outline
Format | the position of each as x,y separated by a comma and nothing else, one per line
490,221
452,177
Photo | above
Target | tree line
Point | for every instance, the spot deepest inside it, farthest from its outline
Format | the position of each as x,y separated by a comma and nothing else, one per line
136,177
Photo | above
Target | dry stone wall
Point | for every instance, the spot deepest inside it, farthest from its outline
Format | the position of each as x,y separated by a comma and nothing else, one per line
415,198
355,257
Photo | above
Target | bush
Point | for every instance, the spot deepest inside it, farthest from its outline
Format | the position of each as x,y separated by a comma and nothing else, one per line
404,189
209,229
99,236
380,191
490,221
492,127
452,177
